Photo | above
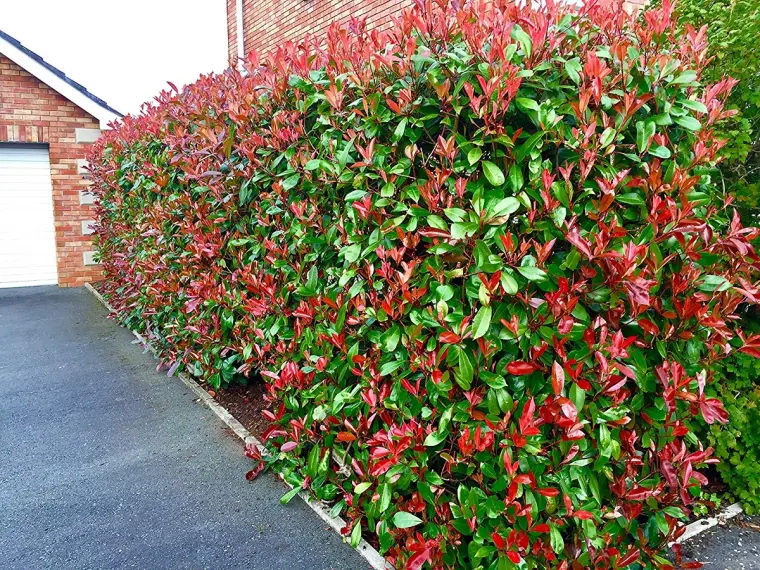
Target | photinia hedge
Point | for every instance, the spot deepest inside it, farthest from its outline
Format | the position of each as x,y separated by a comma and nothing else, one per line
480,259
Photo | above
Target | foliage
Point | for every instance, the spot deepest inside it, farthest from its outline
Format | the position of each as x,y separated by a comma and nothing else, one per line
737,444
709,504
480,260
733,29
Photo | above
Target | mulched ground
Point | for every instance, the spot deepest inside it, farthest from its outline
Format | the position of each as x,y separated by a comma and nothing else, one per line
246,404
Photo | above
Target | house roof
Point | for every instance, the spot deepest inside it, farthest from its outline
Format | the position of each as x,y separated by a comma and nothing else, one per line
57,80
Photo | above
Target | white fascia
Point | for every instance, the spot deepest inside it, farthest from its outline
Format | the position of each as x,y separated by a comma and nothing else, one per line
50,79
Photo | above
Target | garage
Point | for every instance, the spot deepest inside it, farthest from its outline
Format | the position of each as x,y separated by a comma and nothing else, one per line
27,229
47,123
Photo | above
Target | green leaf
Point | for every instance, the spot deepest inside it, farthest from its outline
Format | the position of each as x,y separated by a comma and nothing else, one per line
560,191
509,284
361,487
313,164
356,534
391,338
403,519
390,367
532,273
437,222
555,539
608,135
519,35
400,128
631,198
435,438
290,182
481,322
573,68
660,151
287,497
526,104
697,106
352,252
474,155
385,497
645,130
465,372
493,173
506,207
527,147
345,154
515,178
578,396
355,195
688,122
688,76
712,283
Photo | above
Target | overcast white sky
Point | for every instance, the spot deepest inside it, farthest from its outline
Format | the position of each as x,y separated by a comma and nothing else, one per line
123,51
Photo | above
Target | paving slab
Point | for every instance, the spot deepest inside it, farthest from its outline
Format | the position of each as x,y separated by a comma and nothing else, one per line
107,464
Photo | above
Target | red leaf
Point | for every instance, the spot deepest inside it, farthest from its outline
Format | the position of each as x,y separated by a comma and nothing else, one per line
713,411
558,378
449,337
380,467
520,368
583,515
498,540
631,557
418,559
346,436
289,446
255,472
527,419
508,465
524,479
574,237
514,557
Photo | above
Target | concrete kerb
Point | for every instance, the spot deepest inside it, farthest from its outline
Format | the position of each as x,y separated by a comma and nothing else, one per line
366,550
700,526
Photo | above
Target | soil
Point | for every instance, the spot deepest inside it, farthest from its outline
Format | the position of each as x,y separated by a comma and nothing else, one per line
246,403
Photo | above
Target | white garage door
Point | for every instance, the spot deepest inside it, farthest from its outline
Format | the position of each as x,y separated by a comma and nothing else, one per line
27,231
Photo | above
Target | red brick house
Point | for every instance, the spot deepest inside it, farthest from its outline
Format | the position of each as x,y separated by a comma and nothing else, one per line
267,24
47,121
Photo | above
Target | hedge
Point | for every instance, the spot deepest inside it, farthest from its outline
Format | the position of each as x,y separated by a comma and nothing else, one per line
737,444
480,260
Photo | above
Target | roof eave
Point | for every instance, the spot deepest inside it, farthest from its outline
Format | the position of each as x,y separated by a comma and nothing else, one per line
17,56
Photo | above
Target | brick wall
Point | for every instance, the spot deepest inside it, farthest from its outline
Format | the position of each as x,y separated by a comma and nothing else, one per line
231,32
269,23
31,112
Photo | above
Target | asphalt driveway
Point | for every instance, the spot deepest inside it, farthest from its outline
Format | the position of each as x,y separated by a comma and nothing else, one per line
107,464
